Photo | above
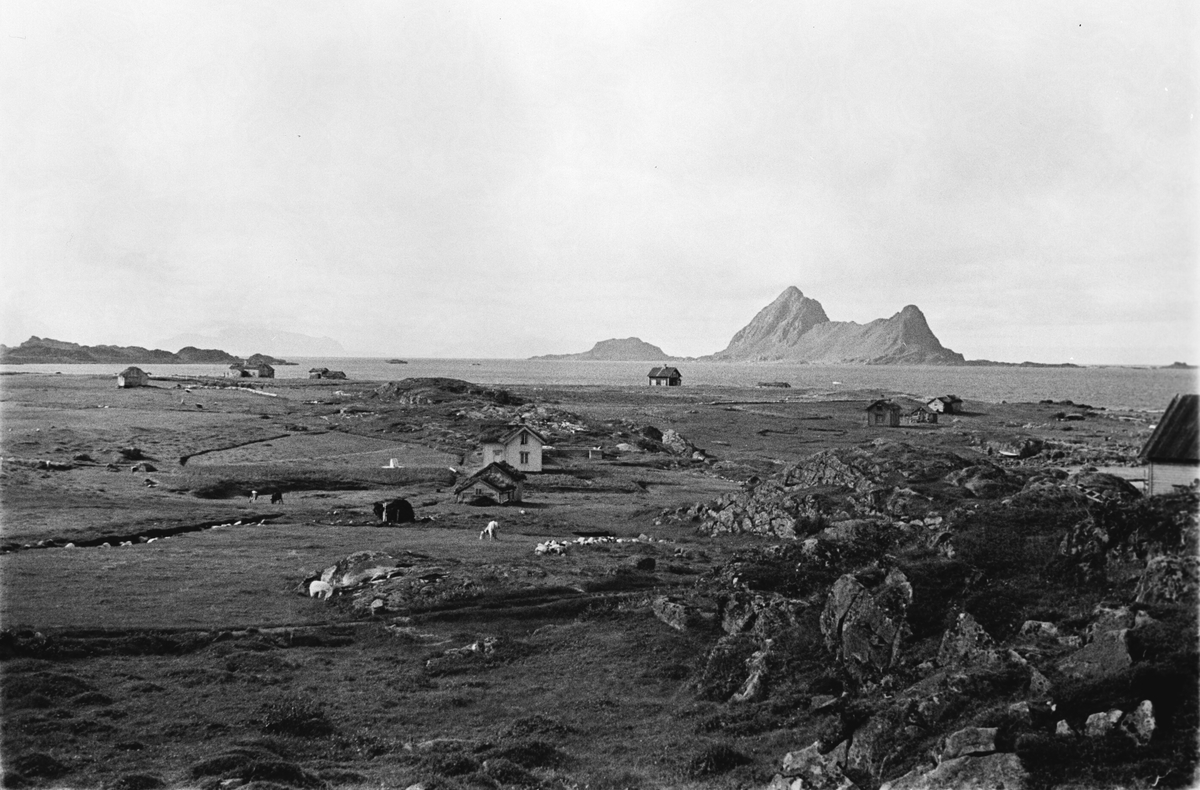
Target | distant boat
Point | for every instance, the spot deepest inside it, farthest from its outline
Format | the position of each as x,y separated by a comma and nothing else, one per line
397,362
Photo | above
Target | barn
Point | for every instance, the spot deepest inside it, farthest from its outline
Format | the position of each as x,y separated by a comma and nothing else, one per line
945,404
883,412
1171,455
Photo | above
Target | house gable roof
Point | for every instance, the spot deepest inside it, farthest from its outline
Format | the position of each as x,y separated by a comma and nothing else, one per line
947,399
506,433
664,373
1176,436
497,475
883,404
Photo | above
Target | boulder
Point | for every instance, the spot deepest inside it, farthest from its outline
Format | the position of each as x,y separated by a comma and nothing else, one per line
679,615
1169,578
756,681
985,481
643,563
1039,628
676,444
968,742
992,772
967,644
875,747
764,614
849,530
864,628
1106,619
1100,724
359,568
1064,730
808,769
652,433
1106,654
1139,724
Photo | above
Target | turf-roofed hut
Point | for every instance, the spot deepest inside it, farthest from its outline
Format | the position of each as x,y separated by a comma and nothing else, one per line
498,481
1172,454
132,377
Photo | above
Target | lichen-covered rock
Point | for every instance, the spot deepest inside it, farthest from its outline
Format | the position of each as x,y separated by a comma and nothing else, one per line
679,615
878,745
1100,724
808,769
756,682
359,568
968,742
967,644
1106,654
1140,724
864,628
1169,578
991,772
985,481
764,614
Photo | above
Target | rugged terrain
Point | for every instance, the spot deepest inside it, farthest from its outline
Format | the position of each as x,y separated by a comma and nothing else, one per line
795,327
714,587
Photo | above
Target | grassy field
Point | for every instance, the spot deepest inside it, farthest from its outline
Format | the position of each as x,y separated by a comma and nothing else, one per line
197,659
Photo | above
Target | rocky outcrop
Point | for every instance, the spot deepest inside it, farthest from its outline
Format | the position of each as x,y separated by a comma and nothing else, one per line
884,482
864,628
796,328
38,350
809,769
359,568
992,772
629,349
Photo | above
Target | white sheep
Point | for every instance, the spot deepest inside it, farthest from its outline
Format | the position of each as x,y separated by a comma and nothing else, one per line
320,589
489,530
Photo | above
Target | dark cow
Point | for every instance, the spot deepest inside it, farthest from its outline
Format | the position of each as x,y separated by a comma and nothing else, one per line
394,511
276,498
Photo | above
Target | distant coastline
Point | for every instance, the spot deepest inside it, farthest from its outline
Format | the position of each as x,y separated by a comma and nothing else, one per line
46,351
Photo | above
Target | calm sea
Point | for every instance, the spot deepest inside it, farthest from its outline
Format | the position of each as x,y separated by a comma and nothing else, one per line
1111,387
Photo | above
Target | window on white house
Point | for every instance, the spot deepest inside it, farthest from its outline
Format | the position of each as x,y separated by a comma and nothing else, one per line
524,438
524,457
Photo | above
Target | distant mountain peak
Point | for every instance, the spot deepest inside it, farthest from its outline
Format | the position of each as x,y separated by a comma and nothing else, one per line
795,327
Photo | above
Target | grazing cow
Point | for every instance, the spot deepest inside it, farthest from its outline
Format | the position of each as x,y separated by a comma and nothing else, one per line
490,531
320,589
276,498
394,511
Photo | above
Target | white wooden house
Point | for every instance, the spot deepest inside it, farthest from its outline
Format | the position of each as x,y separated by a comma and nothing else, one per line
518,446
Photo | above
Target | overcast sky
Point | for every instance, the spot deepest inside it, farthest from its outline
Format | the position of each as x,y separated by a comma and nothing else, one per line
499,179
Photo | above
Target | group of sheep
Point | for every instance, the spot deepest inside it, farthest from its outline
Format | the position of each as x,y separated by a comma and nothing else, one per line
560,546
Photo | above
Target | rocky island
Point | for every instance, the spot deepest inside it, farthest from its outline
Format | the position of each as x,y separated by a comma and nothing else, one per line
795,328
629,349
37,350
